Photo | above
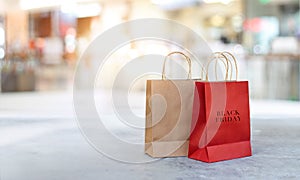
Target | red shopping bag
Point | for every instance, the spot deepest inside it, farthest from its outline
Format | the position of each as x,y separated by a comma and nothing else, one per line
220,121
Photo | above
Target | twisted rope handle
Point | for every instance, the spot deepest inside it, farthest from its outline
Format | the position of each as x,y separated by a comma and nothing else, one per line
222,56
217,56
186,58
235,64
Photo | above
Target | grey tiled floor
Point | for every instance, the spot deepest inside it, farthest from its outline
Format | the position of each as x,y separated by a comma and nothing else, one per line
40,139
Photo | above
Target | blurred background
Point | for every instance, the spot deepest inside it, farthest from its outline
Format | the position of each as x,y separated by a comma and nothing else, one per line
41,41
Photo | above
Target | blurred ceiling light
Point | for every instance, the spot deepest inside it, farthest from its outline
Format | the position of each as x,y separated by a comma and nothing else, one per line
217,20
82,10
35,4
218,1
178,4
163,2
68,7
88,10
174,4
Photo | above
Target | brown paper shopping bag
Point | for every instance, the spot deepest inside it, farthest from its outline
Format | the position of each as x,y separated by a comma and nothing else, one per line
169,106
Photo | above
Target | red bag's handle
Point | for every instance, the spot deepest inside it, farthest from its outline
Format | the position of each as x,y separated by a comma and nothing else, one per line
218,56
221,56
187,59
235,64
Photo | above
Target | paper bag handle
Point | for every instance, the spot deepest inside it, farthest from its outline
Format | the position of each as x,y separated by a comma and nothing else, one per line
224,56
186,58
217,56
235,64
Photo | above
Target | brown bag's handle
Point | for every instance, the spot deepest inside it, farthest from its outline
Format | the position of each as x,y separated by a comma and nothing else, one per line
186,58
221,56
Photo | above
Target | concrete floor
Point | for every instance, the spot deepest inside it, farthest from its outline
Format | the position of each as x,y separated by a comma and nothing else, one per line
40,140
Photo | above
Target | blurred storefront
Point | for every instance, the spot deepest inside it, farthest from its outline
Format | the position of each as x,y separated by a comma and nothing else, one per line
271,37
41,41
